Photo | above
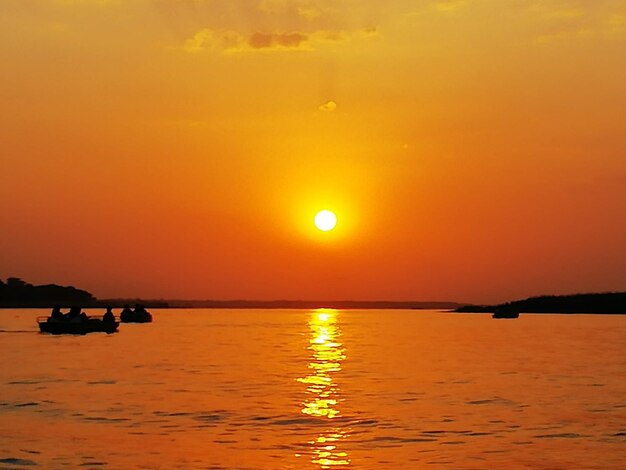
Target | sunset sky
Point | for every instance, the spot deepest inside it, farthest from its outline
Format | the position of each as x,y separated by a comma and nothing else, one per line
473,150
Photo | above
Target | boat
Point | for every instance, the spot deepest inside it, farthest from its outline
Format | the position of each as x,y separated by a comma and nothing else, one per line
62,327
136,317
505,314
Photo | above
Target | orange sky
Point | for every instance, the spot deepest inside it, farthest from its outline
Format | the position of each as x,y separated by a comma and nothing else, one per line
473,150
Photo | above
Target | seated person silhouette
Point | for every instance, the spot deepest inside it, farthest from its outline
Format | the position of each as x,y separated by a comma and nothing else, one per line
75,315
56,314
108,316
127,313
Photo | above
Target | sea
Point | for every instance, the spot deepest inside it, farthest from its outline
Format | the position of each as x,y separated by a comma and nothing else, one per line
316,389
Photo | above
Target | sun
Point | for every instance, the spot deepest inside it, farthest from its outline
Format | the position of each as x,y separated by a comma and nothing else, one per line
325,220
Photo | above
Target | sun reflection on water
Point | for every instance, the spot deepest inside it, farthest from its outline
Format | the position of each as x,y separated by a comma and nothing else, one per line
322,391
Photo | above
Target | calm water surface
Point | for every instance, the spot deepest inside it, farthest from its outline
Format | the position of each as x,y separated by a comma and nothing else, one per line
297,389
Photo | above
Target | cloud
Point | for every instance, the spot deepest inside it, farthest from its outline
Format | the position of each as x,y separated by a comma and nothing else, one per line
232,41
88,2
310,13
268,40
558,10
328,107
560,21
308,9
444,7
450,5
207,39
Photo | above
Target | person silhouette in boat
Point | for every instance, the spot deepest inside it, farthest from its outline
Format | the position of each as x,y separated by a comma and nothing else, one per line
127,313
108,316
72,314
56,314
75,315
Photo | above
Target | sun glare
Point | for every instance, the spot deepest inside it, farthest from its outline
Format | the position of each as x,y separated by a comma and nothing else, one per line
325,220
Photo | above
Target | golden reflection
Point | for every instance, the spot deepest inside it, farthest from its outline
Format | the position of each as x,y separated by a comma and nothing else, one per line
322,391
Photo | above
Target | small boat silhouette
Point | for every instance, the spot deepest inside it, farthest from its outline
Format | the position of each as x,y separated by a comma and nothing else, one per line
137,315
505,313
64,327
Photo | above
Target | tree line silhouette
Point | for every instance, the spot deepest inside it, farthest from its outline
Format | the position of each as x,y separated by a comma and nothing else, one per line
18,293
610,302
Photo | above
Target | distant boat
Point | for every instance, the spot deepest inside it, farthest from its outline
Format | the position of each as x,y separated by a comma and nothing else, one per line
136,317
92,325
500,313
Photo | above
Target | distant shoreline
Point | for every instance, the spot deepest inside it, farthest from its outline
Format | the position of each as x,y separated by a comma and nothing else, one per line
16,293
253,305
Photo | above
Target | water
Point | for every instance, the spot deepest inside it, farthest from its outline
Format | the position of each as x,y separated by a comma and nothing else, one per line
281,389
